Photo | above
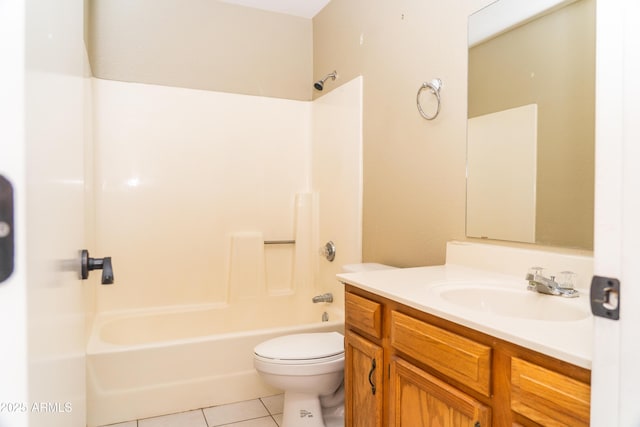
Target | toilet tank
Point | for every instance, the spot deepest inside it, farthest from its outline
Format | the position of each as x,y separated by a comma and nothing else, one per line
365,266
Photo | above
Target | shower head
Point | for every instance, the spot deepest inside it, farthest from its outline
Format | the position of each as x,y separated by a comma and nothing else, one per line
319,85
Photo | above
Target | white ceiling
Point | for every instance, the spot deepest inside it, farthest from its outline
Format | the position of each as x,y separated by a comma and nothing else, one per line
302,8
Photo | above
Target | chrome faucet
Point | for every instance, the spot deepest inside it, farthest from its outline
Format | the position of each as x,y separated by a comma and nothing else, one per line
328,297
548,285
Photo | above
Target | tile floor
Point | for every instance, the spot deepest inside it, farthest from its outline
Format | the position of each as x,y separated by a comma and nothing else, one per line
263,412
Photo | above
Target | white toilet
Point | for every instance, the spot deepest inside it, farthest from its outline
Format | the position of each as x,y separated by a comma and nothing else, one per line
310,370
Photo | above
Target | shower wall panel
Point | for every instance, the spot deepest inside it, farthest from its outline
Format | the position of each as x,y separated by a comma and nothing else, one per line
178,172
337,180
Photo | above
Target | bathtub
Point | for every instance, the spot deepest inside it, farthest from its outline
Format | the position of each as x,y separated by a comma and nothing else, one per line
144,364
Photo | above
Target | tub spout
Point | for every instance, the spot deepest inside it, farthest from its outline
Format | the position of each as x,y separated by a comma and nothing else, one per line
328,297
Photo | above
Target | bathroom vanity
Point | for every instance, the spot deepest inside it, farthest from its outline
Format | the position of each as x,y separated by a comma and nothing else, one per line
415,358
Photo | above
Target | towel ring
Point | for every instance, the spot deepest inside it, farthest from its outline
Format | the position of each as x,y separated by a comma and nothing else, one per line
434,87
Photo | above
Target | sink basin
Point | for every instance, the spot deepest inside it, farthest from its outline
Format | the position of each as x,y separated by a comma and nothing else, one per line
514,302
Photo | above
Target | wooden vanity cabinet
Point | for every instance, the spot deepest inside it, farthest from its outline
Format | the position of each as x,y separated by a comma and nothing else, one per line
407,368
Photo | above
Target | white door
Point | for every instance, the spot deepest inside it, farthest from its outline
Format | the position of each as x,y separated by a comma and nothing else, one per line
42,149
615,398
13,325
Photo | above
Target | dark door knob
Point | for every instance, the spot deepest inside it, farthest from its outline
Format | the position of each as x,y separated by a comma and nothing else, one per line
89,264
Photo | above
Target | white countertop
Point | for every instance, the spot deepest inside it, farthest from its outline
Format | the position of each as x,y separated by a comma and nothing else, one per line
567,340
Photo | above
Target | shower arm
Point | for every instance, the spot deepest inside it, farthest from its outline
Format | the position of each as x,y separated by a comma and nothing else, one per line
319,85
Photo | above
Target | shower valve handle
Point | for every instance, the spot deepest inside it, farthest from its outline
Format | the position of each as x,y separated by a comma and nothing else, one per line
329,251
89,264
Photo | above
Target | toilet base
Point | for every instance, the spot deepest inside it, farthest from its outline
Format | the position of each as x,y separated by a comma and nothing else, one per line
333,418
333,408
302,410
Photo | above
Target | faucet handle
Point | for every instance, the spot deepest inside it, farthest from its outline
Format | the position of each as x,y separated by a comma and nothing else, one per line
533,272
566,279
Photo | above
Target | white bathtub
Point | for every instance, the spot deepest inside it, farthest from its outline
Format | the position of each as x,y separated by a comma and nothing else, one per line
143,364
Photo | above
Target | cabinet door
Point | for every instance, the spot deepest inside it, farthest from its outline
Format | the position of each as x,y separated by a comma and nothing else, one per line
363,382
418,399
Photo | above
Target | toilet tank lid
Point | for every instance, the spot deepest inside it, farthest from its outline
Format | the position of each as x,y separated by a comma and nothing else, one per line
365,266
302,346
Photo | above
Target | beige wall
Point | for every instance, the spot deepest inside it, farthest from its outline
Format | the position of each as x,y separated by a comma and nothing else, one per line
414,183
201,44
549,62
414,170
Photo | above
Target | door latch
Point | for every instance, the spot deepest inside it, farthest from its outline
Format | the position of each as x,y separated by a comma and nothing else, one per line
7,251
605,297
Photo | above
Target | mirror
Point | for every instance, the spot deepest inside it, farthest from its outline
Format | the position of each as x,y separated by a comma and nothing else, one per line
531,123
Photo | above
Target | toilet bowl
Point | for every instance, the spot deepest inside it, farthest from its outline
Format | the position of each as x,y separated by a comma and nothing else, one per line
309,368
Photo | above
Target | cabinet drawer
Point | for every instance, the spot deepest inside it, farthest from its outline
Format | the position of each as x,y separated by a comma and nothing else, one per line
459,358
363,314
548,397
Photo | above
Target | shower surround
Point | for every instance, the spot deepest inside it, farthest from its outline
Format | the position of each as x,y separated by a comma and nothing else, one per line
189,185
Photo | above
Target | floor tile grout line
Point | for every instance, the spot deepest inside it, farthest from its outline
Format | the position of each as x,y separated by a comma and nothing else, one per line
264,405
246,419
270,414
205,417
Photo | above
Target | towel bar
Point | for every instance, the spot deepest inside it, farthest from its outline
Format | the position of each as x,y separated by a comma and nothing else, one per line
279,242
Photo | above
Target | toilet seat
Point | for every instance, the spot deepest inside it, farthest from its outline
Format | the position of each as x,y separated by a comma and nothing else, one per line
301,354
302,348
